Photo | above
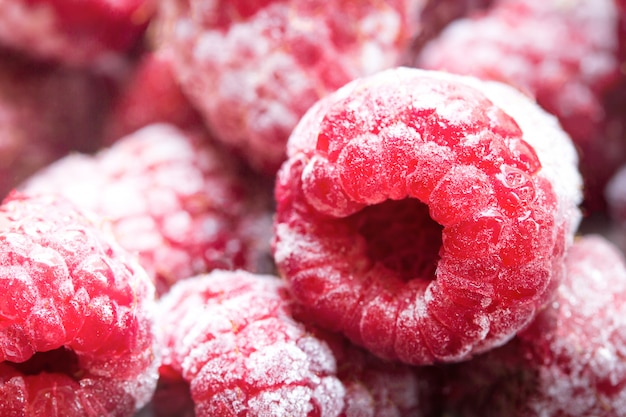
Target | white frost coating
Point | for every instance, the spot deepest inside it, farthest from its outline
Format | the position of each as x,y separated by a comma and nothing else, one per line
320,355
282,402
280,363
381,30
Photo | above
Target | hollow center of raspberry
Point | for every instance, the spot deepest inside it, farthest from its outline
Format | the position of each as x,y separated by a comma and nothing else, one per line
402,236
60,360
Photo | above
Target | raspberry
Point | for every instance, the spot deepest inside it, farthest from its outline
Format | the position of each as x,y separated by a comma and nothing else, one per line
172,198
88,33
76,336
232,336
45,112
569,362
275,59
379,388
150,95
425,215
563,53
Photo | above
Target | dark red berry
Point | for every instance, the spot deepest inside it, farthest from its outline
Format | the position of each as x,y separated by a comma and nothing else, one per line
150,94
46,111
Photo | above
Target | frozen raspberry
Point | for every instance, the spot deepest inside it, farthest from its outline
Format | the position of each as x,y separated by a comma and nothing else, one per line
85,33
171,197
425,215
150,95
45,112
565,53
570,361
76,336
253,69
233,338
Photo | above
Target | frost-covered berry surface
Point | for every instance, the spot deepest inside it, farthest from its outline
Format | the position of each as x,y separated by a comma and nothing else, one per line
172,198
425,215
77,335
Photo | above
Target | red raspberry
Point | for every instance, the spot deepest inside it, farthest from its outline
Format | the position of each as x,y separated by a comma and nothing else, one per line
45,112
89,33
276,58
76,337
565,53
570,361
171,197
150,95
232,336
425,215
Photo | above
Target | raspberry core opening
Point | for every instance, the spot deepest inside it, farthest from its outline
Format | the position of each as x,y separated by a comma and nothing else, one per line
61,360
402,236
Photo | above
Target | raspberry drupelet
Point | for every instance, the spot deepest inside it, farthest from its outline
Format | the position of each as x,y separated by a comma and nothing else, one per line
76,333
564,53
570,361
232,336
89,33
425,215
173,198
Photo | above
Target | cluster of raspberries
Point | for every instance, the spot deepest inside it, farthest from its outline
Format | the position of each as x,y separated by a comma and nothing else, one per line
410,208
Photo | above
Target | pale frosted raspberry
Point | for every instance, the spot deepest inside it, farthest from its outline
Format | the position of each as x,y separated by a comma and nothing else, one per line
172,198
253,69
232,338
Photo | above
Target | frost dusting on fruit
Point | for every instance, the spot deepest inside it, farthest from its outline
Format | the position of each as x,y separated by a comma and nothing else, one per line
463,275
